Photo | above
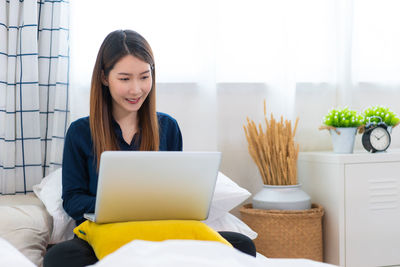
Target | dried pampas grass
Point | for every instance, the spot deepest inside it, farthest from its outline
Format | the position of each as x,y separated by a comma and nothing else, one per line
274,151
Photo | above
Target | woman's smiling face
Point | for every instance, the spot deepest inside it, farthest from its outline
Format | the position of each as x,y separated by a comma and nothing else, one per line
129,82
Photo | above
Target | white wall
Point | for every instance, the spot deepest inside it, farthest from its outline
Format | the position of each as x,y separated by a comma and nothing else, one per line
206,129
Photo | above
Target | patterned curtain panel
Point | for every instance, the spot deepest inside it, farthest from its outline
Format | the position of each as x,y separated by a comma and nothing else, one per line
34,84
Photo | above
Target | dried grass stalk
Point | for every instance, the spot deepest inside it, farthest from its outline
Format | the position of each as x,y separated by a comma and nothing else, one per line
274,150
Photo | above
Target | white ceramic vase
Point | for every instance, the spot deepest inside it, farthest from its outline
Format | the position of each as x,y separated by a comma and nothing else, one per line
282,197
343,143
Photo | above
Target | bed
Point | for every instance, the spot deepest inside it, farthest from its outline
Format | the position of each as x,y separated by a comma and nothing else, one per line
31,222
171,253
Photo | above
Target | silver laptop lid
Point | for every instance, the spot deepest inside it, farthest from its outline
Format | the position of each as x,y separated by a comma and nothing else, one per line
136,186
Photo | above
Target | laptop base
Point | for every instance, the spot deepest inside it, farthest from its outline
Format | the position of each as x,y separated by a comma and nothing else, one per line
89,216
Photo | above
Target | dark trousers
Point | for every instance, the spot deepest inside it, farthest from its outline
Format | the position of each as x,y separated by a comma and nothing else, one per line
77,252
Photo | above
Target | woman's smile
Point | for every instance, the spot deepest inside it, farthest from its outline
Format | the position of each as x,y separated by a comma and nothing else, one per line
133,100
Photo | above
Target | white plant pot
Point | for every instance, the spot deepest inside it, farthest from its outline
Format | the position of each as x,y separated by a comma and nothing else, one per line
343,143
282,197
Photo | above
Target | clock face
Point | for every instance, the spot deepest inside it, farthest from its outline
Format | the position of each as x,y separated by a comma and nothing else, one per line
380,139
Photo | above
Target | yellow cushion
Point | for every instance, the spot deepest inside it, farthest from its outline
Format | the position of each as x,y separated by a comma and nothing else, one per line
106,238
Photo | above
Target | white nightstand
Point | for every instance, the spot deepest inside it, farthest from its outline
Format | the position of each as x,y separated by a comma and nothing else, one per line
360,193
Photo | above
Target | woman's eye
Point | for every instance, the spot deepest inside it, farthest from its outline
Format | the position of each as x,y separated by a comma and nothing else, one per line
124,79
145,77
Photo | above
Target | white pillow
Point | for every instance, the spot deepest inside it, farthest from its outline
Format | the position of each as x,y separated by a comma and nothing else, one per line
49,192
229,222
227,196
26,225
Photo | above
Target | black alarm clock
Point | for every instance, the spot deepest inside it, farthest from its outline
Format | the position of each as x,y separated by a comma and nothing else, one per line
376,137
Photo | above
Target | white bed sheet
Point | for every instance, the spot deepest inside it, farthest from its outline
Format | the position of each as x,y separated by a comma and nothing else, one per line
182,253
10,256
171,253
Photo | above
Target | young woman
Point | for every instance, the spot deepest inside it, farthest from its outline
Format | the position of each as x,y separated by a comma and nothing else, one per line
122,117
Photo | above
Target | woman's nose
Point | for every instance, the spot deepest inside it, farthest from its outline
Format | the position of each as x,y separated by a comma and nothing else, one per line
134,86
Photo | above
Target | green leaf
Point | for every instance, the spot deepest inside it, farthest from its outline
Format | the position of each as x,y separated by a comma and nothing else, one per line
343,118
388,116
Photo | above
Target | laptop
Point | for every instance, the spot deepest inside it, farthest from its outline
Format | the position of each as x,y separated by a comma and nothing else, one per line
153,185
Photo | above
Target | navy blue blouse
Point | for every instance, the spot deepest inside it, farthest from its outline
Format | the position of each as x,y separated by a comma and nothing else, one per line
79,171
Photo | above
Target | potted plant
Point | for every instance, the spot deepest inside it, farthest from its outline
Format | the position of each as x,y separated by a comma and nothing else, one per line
342,124
372,114
275,154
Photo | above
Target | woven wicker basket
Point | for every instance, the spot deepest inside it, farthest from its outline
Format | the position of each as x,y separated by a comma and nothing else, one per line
287,233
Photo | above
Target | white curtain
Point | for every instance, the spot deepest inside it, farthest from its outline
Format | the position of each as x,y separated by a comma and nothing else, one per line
216,61
34,84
